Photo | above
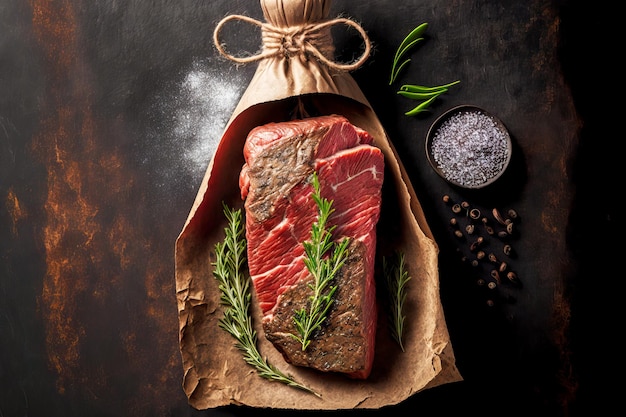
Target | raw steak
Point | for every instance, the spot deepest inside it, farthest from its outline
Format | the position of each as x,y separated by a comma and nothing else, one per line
276,184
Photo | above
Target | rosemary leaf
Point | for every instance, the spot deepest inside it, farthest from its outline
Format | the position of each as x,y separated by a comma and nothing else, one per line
322,267
397,278
234,284
396,70
405,49
414,37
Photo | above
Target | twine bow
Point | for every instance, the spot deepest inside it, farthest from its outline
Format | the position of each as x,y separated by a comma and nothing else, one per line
305,40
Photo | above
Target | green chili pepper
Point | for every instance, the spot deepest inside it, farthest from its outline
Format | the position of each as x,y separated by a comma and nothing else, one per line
423,89
422,107
421,96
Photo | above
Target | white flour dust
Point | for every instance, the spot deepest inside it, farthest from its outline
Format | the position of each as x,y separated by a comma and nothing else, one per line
187,120
207,102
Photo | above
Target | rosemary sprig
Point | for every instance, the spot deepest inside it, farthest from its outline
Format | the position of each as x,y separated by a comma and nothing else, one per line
412,39
397,277
234,285
322,267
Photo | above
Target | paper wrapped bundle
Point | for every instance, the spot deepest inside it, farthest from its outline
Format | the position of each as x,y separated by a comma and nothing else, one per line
297,75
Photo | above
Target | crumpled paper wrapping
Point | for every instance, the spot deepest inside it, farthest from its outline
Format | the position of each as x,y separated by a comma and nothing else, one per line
295,67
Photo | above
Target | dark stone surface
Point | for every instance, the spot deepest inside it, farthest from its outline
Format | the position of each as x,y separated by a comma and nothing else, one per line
109,113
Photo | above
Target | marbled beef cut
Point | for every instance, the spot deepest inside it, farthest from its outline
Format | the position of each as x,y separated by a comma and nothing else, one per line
276,184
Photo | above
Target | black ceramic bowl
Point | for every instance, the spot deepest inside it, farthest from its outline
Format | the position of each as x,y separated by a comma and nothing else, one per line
468,147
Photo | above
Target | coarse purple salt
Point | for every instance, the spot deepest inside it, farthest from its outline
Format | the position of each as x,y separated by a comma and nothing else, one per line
470,148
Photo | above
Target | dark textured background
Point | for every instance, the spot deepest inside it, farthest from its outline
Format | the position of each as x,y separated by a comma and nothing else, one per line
109,112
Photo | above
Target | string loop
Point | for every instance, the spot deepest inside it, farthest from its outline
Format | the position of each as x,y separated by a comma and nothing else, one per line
303,40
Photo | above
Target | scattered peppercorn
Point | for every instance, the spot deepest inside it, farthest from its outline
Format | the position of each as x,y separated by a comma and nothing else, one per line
500,226
496,215
512,276
475,244
510,229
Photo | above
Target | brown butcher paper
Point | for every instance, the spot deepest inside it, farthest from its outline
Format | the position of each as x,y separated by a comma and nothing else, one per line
296,71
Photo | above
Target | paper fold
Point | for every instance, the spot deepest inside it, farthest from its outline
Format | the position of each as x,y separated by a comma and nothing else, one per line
214,371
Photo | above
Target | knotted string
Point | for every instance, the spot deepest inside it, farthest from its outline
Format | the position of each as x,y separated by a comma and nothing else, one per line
305,40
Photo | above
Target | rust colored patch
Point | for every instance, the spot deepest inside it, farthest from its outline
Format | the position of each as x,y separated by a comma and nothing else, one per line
90,255
54,26
15,210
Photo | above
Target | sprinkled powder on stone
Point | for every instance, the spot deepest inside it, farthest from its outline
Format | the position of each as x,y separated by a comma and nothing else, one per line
189,117
470,149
